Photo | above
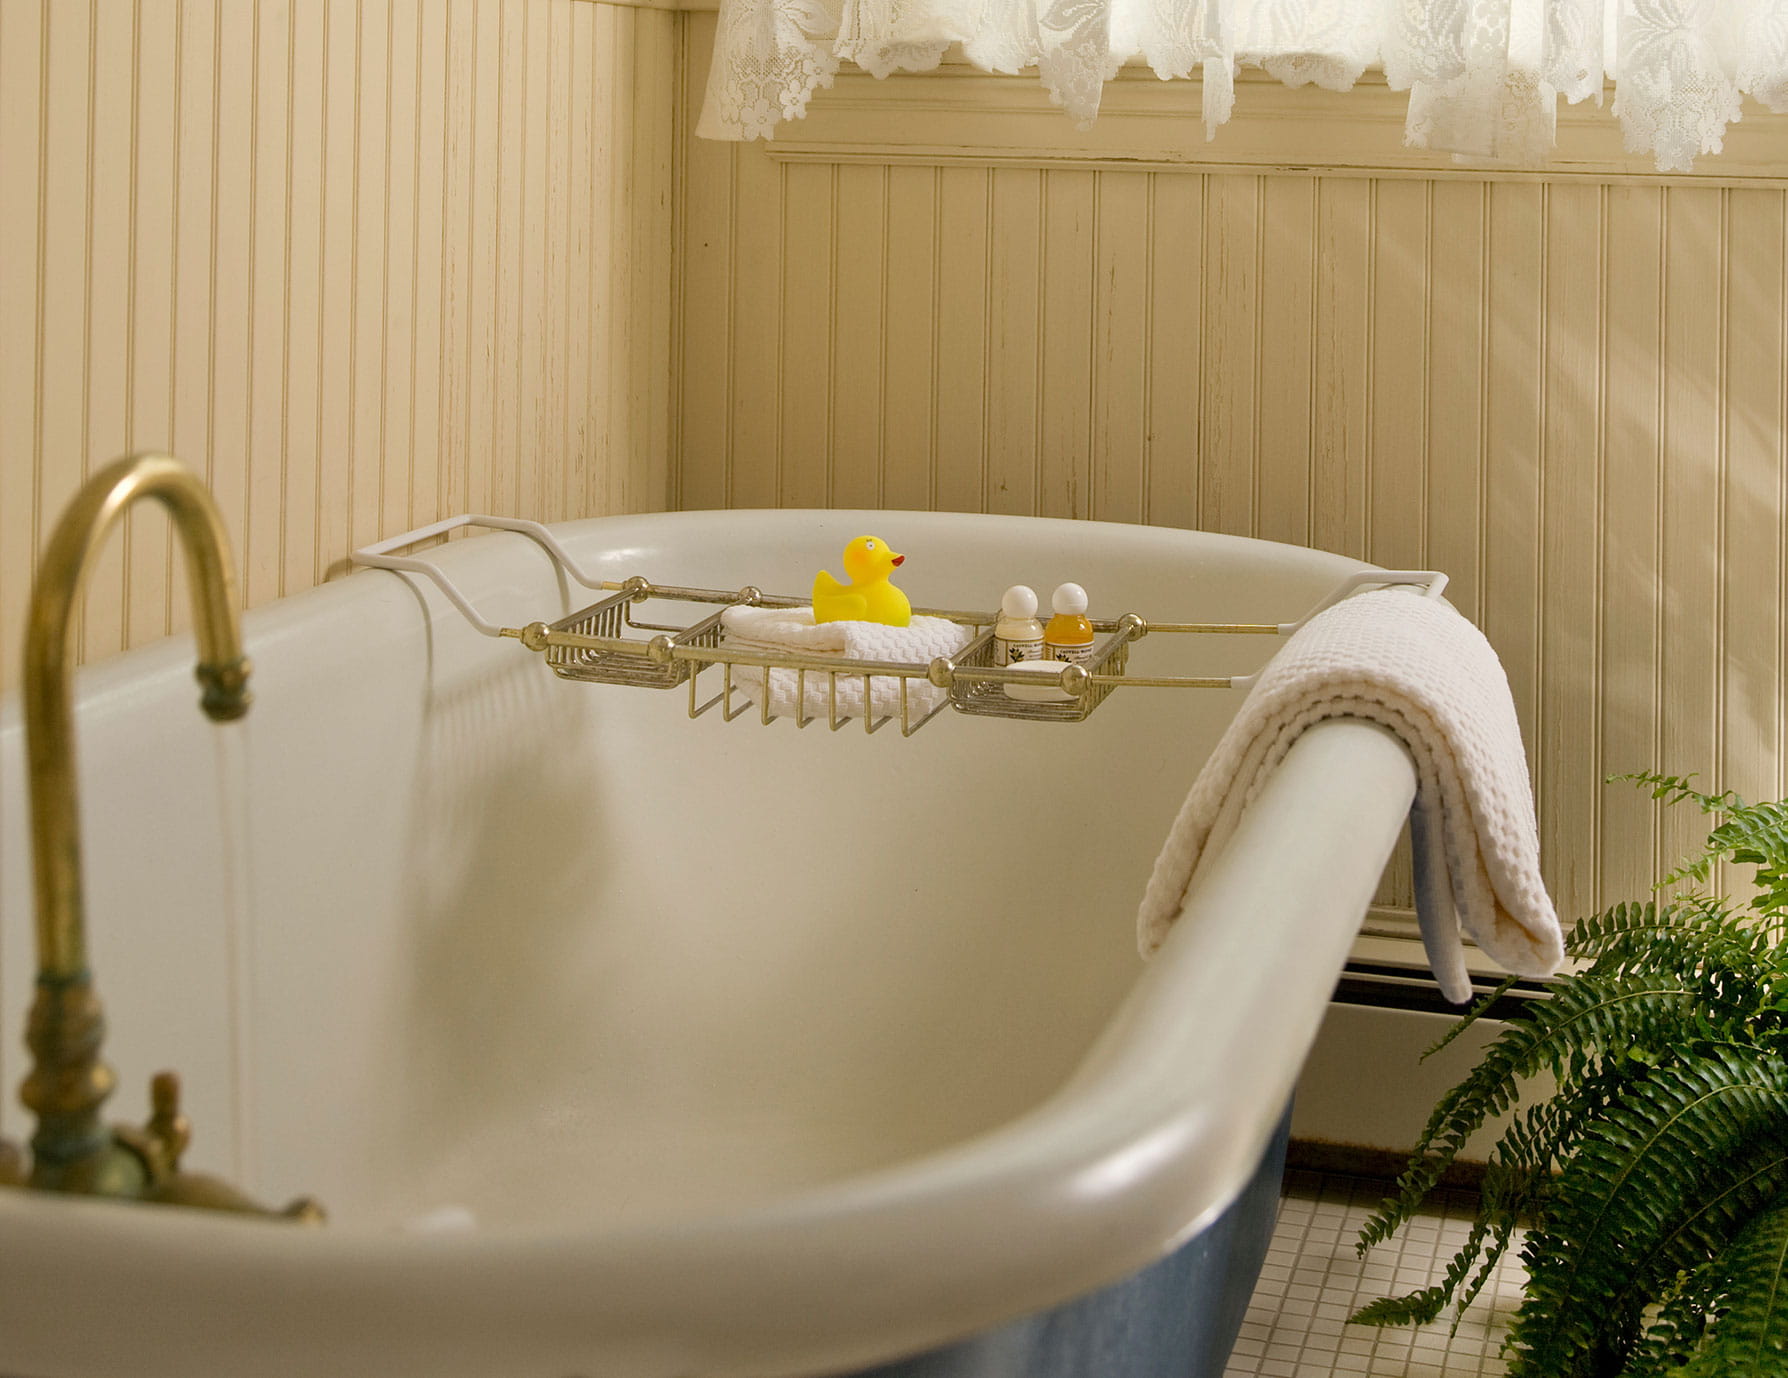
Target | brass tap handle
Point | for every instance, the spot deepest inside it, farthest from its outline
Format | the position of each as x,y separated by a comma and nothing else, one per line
167,1127
166,1136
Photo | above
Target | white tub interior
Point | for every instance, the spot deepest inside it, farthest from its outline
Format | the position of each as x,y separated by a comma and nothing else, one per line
537,948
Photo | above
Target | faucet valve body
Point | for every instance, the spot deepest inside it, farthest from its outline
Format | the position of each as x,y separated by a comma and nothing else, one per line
72,1150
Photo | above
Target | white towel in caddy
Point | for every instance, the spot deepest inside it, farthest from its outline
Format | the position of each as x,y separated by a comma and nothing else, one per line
1416,666
793,631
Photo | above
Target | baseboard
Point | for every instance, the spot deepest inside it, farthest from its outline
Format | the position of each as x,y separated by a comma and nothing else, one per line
1378,1164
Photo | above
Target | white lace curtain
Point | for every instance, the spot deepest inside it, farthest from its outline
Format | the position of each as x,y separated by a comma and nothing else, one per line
1483,76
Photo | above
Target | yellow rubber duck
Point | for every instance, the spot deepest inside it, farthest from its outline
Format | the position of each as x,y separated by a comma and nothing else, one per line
869,597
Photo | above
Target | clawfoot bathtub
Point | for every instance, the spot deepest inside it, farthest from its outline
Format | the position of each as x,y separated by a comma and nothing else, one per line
623,1045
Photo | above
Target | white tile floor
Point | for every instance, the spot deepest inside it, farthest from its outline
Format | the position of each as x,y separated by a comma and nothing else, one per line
1313,1280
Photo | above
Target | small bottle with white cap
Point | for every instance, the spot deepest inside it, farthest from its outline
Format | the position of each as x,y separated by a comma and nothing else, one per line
1018,635
1069,636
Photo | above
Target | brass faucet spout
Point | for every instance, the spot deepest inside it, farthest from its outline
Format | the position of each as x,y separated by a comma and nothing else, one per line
61,576
72,1151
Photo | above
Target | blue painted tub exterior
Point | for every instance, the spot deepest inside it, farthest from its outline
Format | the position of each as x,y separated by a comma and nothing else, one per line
1177,1318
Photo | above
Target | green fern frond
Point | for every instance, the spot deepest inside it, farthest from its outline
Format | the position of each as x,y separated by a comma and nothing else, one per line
1749,1337
1470,1017
1755,835
1654,1181
1653,1158
1687,934
1750,835
1418,1308
1514,1187
1676,789
1675,1329
1561,1035
1422,1306
1709,1225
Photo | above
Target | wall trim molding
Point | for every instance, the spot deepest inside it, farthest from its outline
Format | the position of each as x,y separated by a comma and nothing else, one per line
675,6
960,116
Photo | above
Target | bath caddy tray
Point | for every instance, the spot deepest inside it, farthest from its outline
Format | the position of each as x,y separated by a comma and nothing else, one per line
607,643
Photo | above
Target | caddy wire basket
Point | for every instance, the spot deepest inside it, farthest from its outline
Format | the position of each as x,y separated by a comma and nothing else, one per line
608,642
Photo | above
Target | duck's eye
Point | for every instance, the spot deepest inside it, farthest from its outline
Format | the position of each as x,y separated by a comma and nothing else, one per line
869,545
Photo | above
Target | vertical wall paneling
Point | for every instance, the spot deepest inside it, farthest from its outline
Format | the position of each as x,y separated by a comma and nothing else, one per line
860,252
1231,374
1454,385
1632,602
302,323
1066,343
706,358
362,265
1287,327
338,342
1753,515
1118,383
1397,392
1569,391
107,324
1697,278
387,505
658,51
535,380
459,170
267,350
23,96
607,169
1172,459
754,445
620,112
146,541
492,177
1018,288
63,245
1568,766
907,443
369,221
962,335
804,342
573,89
1513,438
1339,395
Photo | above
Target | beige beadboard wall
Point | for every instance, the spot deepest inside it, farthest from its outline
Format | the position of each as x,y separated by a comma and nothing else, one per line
1568,391
363,263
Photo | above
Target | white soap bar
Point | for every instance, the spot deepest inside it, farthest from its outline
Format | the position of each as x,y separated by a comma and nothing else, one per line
442,1220
1051,692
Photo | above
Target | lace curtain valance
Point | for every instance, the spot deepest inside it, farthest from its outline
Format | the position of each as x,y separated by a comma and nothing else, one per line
1484,76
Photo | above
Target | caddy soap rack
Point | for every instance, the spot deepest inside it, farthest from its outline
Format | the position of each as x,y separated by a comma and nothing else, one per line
594,645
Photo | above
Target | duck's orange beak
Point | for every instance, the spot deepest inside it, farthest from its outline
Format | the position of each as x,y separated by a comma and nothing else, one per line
899,560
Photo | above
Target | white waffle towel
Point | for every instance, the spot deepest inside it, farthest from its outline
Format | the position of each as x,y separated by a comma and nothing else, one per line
793,630
1416,666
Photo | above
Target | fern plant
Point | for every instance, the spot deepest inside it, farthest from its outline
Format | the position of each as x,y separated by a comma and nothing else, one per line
1654,1184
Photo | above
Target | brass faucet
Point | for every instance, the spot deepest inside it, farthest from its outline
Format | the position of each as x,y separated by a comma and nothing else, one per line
72,1151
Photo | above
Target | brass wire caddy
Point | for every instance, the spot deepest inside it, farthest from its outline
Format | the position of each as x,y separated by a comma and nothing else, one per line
607,643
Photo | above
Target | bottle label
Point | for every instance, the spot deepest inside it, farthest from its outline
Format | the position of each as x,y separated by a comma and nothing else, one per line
1073,655
1011,652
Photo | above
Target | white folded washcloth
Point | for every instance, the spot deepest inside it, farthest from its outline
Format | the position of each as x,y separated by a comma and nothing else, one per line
1416,666
793,631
